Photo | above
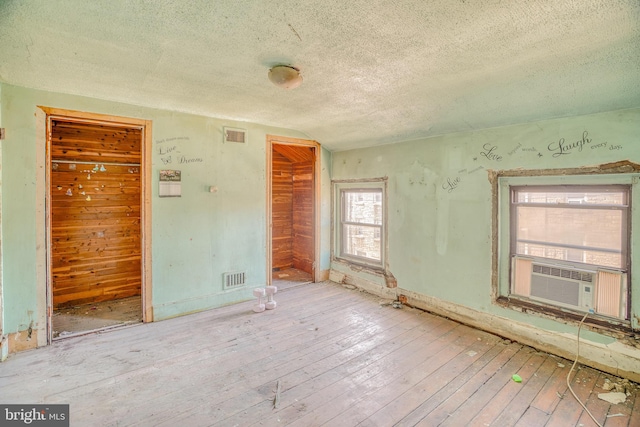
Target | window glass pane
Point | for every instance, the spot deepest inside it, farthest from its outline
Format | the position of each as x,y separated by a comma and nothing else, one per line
589,198
363,207
584,256
591,236
361,241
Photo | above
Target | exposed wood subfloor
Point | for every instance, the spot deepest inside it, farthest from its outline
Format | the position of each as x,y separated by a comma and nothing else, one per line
289,278
340,359
89,317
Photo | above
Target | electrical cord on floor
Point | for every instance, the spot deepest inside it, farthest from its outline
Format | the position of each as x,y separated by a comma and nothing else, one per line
573,366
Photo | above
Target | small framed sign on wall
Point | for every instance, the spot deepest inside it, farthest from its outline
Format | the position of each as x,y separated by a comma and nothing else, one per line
170,184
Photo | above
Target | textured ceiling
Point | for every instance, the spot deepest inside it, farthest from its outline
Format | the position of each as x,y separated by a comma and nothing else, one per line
375,72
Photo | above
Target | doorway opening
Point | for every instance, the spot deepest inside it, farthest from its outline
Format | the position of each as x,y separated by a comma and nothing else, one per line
97,214
293,194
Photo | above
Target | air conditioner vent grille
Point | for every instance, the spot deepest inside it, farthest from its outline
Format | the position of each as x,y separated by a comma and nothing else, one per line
564,273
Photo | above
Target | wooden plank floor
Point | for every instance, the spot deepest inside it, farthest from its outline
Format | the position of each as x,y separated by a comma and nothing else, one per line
337,356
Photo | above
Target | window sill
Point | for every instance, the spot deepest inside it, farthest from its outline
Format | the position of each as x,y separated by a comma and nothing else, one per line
360,265
599,323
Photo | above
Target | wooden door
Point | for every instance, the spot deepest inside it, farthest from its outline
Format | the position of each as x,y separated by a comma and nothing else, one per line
95,212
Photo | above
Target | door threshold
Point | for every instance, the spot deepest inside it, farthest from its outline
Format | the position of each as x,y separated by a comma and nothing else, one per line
289,285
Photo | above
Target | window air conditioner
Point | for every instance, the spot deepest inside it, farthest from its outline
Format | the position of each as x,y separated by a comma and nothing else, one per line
601,290
563,286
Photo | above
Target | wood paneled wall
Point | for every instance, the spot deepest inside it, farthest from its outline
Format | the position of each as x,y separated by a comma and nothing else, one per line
95,213
95,143
282,212
303,216
292,207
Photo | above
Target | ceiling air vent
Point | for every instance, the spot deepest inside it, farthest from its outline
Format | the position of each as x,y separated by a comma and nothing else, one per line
235,135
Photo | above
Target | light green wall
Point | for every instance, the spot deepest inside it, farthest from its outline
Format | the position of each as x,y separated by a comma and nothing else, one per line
440,233
1,298
18,212
195,238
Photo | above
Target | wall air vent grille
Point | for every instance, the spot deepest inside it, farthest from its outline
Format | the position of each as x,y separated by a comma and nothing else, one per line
233,280
235,135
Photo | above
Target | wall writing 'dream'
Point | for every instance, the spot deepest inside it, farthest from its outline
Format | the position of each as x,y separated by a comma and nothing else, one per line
173,153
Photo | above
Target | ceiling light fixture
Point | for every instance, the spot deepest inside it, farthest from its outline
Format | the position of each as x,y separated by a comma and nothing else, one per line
285,76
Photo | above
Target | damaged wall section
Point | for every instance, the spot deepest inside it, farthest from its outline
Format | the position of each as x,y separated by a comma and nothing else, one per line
442,222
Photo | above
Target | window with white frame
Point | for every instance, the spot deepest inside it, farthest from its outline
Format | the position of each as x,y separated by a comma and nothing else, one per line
359,222
569,246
